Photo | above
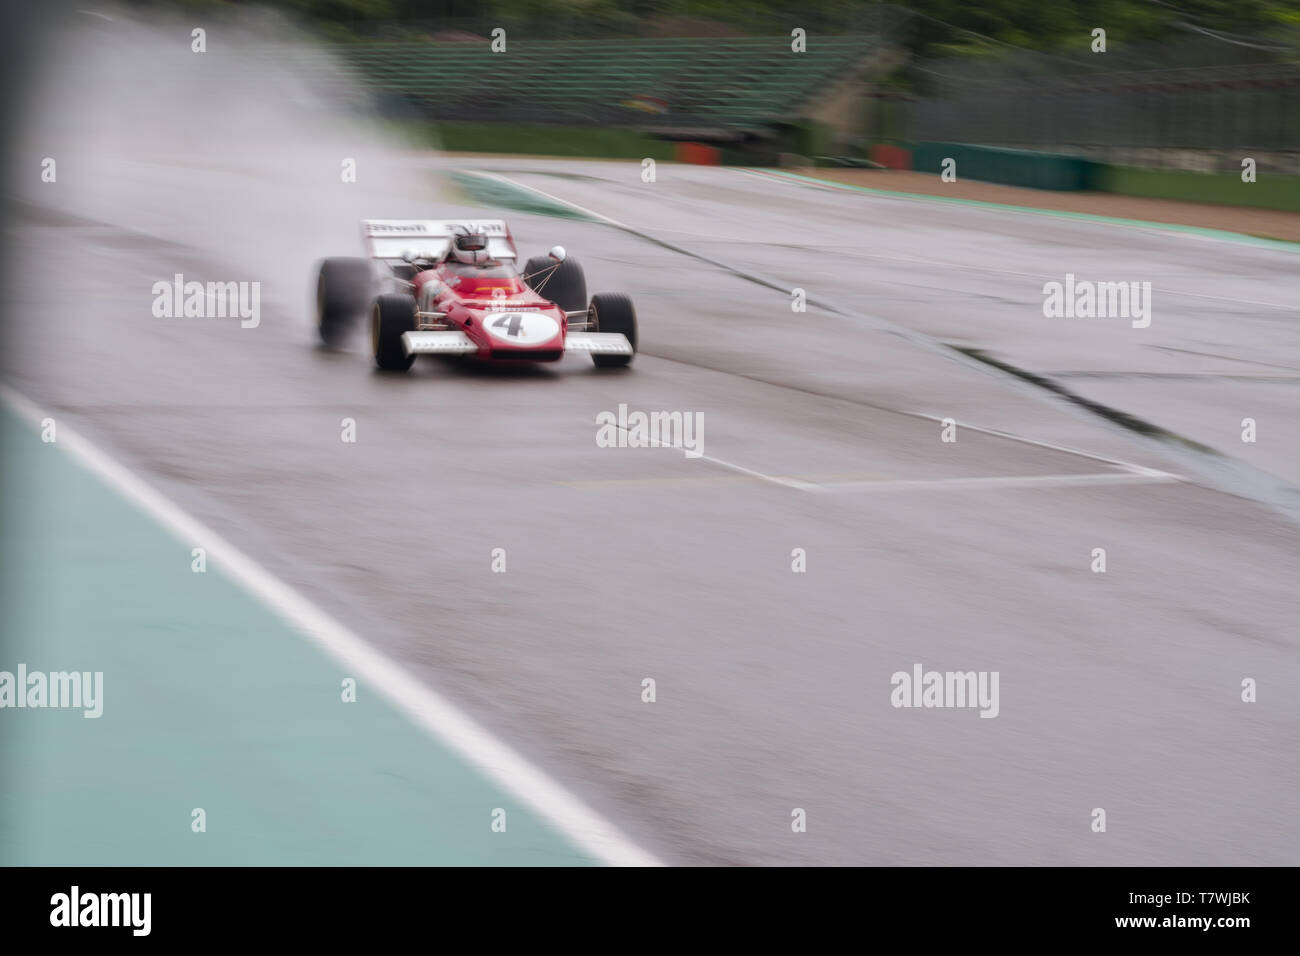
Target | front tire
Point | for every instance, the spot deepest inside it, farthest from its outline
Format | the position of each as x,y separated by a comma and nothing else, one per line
612,312
390,316
565,285
342,292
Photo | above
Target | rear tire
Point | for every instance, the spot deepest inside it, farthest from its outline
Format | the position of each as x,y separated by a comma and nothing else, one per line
613,312
342,292
390,316
566,285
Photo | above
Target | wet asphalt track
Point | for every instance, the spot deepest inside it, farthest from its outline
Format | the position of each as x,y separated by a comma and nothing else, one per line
1118,690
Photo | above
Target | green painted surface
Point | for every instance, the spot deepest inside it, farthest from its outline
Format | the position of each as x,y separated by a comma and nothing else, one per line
502,195
1037,170
540,140
1269,191
209,701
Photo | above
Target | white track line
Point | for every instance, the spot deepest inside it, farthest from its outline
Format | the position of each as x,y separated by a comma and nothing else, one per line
428,709
774,479
1065,449
1131,472
1004,481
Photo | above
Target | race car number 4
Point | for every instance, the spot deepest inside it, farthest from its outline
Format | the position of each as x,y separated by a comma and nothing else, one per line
521,328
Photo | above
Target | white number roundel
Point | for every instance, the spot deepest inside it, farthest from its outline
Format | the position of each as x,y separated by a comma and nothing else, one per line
521,328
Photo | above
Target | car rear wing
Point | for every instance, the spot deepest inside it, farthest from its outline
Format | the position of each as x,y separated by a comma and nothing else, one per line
430,238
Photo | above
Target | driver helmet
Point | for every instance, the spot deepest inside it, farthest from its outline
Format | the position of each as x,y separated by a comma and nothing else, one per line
471,248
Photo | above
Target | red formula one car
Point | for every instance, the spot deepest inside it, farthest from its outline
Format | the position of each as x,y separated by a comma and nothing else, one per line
452,288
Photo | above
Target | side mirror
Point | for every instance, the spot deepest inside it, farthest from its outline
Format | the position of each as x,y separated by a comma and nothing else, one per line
558,254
